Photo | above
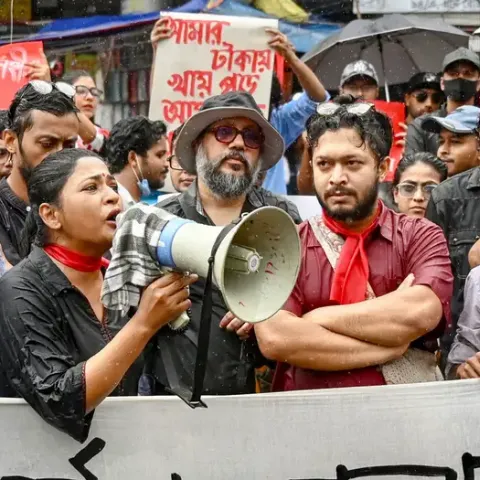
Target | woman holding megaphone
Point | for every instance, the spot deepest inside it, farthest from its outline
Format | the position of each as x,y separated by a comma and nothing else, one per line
60,349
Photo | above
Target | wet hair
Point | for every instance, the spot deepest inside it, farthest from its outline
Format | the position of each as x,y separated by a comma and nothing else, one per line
135,134
72,76
27,99
276,95
45,185
421,157
374,128
3,120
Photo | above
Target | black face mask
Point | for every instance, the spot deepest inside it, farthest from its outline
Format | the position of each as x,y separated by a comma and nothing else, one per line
460,90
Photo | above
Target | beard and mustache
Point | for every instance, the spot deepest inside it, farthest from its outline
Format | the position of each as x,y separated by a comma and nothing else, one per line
225,184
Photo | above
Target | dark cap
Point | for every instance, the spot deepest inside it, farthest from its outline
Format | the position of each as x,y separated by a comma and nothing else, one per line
219,107
424,80
462,54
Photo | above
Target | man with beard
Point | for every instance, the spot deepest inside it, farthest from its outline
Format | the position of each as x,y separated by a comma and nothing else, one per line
42,119
226,144
460,83
327,335
137,154
5,157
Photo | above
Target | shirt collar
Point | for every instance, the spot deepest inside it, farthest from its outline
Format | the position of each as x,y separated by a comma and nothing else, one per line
192,205
53,278
474,179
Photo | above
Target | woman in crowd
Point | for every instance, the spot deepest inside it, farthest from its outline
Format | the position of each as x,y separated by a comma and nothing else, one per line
415,178
60,349
87,97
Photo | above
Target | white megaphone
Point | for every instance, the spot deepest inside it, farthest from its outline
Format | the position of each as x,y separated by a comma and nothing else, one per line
256,264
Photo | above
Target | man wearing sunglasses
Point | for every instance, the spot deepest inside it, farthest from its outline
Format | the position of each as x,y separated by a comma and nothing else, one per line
42,120
358,250
460,82
226,144
423,95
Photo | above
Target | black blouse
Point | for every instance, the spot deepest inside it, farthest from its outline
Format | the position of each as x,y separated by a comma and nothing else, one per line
48,331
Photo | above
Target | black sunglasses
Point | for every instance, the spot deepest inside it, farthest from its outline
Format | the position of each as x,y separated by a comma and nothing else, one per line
422,97
226,134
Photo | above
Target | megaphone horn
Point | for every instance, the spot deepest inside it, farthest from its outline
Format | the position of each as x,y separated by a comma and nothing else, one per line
256,264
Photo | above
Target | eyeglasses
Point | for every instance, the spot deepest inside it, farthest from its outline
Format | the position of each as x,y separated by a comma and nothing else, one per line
359,108
423,96
252,138
83,91
3,152
408,190
174,163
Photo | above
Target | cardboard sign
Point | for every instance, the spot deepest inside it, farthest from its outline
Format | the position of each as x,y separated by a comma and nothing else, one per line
12,68
396,112
389,432
209,55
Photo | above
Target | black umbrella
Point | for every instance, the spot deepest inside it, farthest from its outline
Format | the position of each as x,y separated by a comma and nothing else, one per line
396,45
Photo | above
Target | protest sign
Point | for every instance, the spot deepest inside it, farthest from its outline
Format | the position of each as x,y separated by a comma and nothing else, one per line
422,430
396,113
12,68
209,55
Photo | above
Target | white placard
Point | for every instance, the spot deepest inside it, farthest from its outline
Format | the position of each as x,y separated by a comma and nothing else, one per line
209,55
405,429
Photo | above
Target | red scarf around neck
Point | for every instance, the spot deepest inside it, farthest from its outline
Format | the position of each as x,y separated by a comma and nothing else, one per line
75,260
351,274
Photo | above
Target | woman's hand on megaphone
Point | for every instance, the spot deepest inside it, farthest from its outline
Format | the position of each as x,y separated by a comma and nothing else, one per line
164,300
231,323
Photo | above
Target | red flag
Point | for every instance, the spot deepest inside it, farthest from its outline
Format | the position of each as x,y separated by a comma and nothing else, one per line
12,68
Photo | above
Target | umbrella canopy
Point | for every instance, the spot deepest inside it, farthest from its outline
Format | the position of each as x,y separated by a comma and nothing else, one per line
396,45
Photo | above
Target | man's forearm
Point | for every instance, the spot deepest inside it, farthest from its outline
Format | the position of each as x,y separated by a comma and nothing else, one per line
308,80
391,320
290,339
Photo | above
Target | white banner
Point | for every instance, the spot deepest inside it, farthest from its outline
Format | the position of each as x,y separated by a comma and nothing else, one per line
209,55
428,430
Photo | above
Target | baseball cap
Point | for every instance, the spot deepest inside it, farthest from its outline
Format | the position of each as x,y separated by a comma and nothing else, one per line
462,54
423,80
462,120
359,68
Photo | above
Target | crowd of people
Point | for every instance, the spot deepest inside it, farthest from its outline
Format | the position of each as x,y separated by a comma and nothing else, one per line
411,247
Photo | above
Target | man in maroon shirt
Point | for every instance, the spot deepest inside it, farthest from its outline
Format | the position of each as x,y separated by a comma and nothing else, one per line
327,335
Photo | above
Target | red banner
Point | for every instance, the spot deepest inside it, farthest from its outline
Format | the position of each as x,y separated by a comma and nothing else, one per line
396,112
12,68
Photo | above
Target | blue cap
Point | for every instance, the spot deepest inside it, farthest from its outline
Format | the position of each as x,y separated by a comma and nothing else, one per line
464,120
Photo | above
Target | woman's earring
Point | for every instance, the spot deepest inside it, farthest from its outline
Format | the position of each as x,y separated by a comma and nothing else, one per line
9,162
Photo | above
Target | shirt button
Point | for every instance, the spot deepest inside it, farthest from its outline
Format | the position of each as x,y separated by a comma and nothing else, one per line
29,208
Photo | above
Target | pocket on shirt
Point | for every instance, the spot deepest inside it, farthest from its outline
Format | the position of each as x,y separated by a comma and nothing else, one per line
460,244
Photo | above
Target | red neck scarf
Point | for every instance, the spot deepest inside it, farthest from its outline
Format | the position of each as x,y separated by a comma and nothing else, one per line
75,260
350,278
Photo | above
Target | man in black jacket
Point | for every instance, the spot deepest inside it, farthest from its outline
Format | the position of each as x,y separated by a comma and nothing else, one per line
454,207
460,83
227,144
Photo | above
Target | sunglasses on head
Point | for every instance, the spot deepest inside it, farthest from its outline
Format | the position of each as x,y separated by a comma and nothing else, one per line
83,91
423,96
359,108
45,88
252,138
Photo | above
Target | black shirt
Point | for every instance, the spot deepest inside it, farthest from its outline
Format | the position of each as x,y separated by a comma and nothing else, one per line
231,362
48,331
454,206
13,212
418,139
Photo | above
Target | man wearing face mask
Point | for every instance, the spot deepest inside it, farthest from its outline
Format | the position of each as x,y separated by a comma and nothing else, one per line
460,83
137,154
